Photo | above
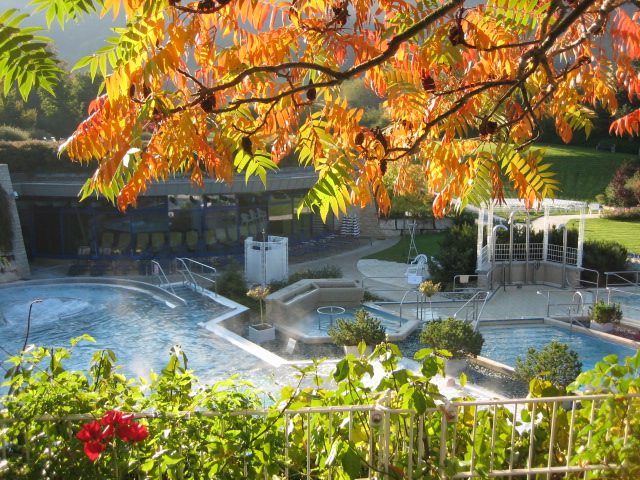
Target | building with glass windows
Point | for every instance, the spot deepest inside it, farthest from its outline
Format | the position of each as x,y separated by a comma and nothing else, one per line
172,218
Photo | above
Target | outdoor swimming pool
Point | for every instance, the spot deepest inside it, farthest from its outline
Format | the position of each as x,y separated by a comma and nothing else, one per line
504,343
139,327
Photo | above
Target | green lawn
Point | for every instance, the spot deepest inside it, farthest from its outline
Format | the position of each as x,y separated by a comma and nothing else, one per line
625,232
583,173
426,244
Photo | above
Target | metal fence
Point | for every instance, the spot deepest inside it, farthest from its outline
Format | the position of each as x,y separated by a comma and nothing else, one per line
516,439
536,252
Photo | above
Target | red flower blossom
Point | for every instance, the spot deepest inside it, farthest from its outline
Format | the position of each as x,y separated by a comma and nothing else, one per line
132,433
92,435
114,423
116,418
93,449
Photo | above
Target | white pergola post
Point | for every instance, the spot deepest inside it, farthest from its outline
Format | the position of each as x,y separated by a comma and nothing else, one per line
490,232
581,237
545,240
480,242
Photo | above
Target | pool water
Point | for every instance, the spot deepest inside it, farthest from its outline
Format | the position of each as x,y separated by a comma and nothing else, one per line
505,344
140,328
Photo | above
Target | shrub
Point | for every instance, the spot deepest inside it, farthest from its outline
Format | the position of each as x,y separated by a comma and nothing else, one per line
363,328
453,335
13,134
617,193
603,256
328,271
232,285
555,362
457,255
600,312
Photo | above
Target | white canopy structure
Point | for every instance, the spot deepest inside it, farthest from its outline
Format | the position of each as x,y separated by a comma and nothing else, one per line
527,253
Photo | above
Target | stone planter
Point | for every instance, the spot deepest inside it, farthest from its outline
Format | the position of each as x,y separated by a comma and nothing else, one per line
601,327
354,349
453,367
261,333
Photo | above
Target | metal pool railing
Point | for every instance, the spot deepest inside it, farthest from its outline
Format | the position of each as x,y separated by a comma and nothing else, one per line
517,438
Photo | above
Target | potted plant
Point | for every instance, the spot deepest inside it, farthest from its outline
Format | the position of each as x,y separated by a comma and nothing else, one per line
603,317
455,336
429,289
349,333
261,332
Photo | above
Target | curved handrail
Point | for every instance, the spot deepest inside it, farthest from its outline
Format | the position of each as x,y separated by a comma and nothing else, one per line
187,273
477,314
626,282
157,271
568,312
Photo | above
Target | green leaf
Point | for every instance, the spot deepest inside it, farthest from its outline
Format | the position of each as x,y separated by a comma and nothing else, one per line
351,463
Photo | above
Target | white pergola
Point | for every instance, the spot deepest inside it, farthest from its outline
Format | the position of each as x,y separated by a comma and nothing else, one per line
489,253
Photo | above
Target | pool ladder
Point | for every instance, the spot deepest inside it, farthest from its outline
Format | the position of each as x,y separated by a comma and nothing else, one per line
157,271
204,272
568,311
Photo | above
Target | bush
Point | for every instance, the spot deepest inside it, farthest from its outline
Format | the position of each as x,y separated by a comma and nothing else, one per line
328,271
232,285
13,134
555,362
35,156
601,313
617,193
456,336
363,328
457,255
603,256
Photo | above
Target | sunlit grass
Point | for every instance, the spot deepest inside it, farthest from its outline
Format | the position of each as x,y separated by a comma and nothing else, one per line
426,244
583,173
625,232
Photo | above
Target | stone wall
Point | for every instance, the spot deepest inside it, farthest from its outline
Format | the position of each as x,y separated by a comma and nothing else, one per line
19,265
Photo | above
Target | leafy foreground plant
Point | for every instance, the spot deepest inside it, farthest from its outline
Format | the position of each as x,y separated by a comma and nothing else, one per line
394,424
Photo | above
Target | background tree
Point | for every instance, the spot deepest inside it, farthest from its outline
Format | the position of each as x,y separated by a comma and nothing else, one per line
235,85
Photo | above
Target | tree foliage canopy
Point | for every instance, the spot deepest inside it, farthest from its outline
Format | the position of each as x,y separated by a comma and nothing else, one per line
229,86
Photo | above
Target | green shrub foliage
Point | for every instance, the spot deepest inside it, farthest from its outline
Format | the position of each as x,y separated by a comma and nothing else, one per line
189,430
13,134
35,156
363,328
457,255
600,312
454,335
555,362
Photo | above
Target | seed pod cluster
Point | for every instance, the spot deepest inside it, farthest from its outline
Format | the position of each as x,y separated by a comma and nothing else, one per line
456,35
487,128
360,138
173,3
341,13
377,133
247,145
428,83
208,104
206,6
311,93
383,166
